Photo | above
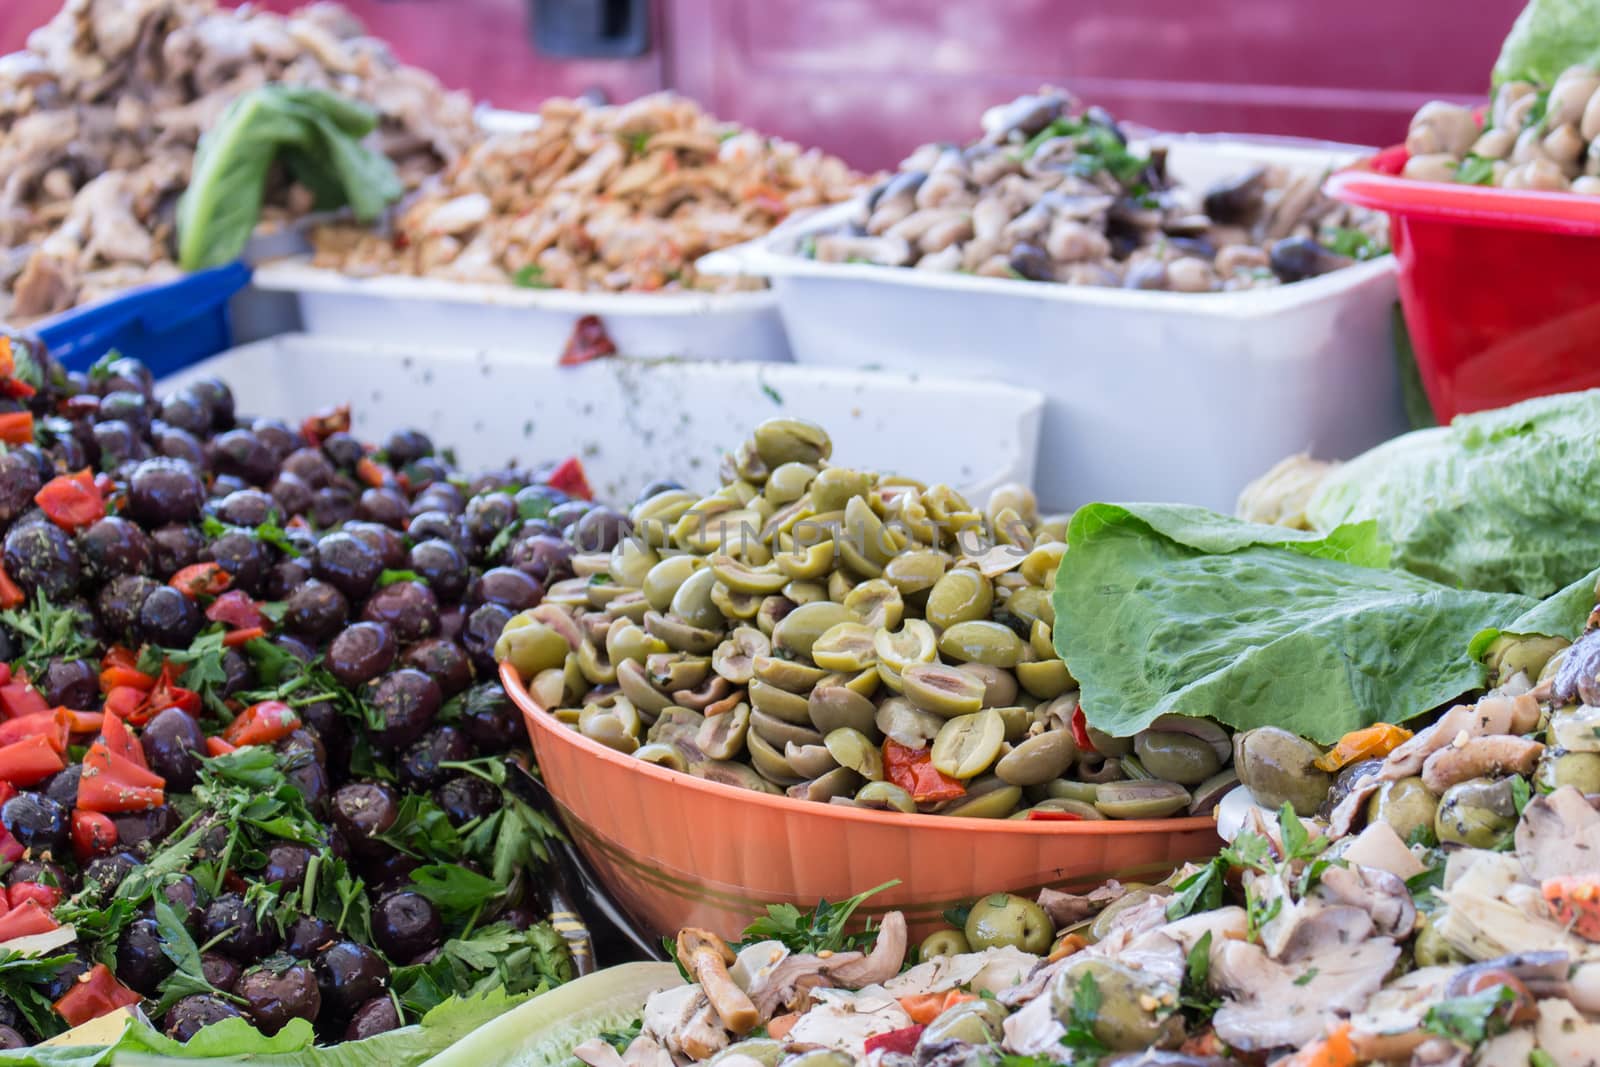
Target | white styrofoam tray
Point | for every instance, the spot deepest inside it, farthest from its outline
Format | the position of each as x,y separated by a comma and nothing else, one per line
634,421
1151,395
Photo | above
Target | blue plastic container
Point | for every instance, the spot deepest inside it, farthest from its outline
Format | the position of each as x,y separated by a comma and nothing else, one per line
167,326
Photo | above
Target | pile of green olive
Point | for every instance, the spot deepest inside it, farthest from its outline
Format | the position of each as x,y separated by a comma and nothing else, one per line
779,633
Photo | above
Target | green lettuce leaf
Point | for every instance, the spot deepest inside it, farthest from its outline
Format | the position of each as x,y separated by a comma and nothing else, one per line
1563,615
1501,500
1547,38
317,134
1176,609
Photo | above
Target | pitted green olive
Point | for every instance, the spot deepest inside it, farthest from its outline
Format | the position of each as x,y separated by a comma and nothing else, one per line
865,544
1066,788
1044,679
786,674
788,482
663,755
722,736
1001,920
913,643
846,646
942,690
530,646
769,762
1558,767
636,687
682,636
876,604
734,605
743,578
615,725
1279,768
835,707
780,441
781,703
834,487
1430,949
1108,746
806,592
1209,793
996,803
1018,720
1508,655
630,562
974,1022
999,686
855,750
1081,809
818,1057
627,641
982,642
661,582
947,941
654,517
735,658
810,761
839,782
916,571
1029,604
1039,759
1478,813
1406,805
1148,799
1135,1012
763,1050
800,628
1137,893
1043,562
672,671
735,774
594,666
779,734
1176,757
962,595
968,745
806,562
899,721
885,796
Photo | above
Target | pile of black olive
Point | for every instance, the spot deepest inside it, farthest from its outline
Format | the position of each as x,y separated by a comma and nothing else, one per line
188,463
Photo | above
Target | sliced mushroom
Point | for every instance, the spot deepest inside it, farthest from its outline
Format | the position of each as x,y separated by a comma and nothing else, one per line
1382,895
707,957
1558,834
1480,757
884,251
1441,127
883,962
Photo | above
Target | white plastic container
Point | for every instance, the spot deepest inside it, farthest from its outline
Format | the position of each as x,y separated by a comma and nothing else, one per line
428,311
1152,395
633,421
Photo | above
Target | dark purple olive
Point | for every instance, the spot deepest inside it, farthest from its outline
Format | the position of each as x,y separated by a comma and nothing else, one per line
452,623
38,823
43,871
291,494
316,609
442,565
467,797
350,973
119,602
563,517
40,558
405,702
141,965
231,925
129,407
173,746
10,1037
19,481
491,719
539,499
482,631
153,825
173,443
439,501
386,506
165,491
519,918
361,811
175,547
437,525
63,787
324,719
114,546
600,530
510,587
190,1015
1297,258
332,506
389,872
361,653
488,514
244,558
426,472
342,450
376,1016
216,395
543,557
308,936
284,578
242,454
348,562
420,766
111,870
272,996
183,893
188,411
116,443
238,673
405,925
287,863
295,647
276,435
168,618
67,975
247,507
406,446
657,487
124,374
390,545
223,484
444,661
311,779
220,971
407,608
70,683
310,466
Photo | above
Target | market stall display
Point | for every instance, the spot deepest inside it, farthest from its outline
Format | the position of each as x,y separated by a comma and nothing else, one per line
251,762
102,114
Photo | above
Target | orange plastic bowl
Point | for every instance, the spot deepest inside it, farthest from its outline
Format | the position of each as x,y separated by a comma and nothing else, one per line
678,851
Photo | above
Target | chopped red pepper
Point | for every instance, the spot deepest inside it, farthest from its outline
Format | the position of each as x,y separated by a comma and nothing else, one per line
125,701
236,610
95,994
46,896
50,725
235,638
8,359
30,761
11,849
17,389
103,762
93,834
72,501
5,673
165,695
325,423
114,783
589,340
1391,160
912,769
262,724
216,746
1080,730
201,579
1051,815
569,477
373,474
11,594
16,428
18,698
121,742
114,676
903,1040
27,919
119,656
83,722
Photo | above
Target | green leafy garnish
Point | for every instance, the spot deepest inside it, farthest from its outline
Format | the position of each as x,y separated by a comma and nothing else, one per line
1348,241
821,931
47,632
1306,978
22,981
1475,170
179,947
1470,1019
494,957
1081,1018
530,276
389,577
1200,891
455,889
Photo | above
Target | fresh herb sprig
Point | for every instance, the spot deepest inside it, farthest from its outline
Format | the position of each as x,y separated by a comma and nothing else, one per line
47,632
823,930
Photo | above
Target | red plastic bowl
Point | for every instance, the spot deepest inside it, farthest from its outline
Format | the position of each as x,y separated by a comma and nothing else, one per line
1500,287
679,851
